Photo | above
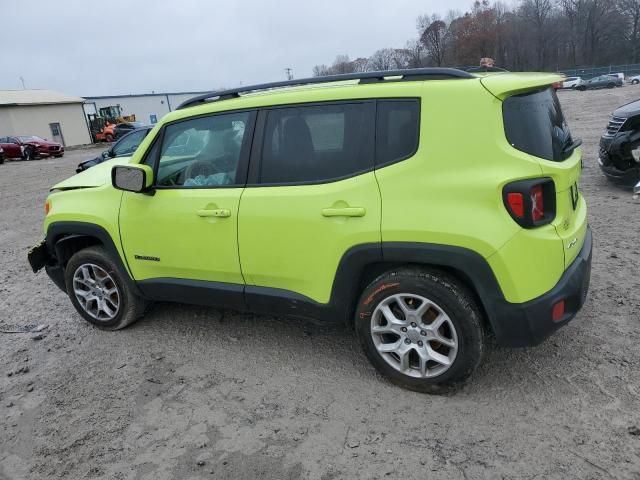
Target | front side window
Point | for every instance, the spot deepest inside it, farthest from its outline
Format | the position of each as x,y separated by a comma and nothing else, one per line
203,152
311,144
534,124
397,130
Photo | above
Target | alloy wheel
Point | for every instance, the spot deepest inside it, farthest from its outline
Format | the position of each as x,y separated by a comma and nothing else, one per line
96,292
414,335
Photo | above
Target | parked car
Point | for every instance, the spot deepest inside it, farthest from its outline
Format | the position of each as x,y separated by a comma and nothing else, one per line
340,204
619,75
619,157
603,81
634,80
1,156
123,128
122,148
29,147
571,82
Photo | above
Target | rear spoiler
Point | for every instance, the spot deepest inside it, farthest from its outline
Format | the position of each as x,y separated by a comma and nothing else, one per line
503,85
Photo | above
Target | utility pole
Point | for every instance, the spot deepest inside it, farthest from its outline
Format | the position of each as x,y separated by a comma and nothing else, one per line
22,80
289,73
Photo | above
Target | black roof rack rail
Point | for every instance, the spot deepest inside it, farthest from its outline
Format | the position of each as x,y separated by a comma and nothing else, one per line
364,77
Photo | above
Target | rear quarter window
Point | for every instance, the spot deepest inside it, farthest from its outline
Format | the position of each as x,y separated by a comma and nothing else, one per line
534,124
397,130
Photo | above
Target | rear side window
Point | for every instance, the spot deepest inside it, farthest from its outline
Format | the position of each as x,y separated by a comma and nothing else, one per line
534,124
317,143
397,130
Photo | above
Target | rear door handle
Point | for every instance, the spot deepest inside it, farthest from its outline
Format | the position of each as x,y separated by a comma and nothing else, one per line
216,212
344,212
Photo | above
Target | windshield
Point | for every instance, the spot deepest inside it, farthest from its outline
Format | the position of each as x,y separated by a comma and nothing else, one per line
30,138
534,124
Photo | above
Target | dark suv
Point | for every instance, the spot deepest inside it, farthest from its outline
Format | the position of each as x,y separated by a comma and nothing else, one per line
619,157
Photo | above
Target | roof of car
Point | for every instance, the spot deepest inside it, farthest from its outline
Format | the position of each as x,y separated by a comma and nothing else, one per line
358,86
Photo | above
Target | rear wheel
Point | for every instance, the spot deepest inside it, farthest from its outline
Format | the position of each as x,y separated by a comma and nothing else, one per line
611,85
108,137
635,82
421,329
581,88
99,292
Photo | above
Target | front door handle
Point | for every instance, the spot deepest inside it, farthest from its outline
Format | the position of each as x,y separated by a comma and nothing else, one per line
215,212
344,212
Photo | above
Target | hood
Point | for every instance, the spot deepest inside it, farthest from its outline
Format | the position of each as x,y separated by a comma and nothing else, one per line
42,143
629,110
503,85
94,177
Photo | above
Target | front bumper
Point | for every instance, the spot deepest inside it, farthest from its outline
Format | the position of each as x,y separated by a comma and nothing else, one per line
527,324
40,257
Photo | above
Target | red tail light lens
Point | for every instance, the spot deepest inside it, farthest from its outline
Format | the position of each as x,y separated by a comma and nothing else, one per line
515,202
531,203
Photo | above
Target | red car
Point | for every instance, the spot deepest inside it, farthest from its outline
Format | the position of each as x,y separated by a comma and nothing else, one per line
28,147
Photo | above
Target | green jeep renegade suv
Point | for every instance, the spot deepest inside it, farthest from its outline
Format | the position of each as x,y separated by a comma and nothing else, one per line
427,208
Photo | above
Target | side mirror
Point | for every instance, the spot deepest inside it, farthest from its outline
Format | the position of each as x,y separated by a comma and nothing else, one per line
106,154
132,178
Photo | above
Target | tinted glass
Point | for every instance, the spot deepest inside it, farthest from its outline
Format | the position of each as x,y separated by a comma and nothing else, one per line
317,143
127,145
397,130
203,152
534,124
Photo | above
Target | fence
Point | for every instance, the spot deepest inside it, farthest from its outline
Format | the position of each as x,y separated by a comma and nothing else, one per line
587,73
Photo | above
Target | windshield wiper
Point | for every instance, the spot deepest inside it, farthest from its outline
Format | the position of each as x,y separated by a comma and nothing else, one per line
572,146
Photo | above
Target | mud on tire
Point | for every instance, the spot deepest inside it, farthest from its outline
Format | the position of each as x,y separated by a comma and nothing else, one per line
99,292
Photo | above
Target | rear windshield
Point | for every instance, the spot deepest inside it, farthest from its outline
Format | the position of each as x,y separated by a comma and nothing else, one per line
534,123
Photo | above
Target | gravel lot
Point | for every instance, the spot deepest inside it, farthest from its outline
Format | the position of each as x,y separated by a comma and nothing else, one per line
192,392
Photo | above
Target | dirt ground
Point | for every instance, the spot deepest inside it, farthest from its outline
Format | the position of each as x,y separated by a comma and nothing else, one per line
192,392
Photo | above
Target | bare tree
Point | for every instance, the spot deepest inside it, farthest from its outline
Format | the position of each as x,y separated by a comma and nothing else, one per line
434,38
630,9
383,59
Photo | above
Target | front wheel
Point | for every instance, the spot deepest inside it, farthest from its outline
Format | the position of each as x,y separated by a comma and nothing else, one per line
421,329
29,153
635,82
99,292
611,85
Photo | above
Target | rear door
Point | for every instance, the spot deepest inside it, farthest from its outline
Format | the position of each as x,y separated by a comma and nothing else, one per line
312,195
11,147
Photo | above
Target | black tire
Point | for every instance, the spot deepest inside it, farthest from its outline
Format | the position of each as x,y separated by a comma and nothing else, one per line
130,306
581,88
29,153
635,82
108,137
1,159
611,85
452,298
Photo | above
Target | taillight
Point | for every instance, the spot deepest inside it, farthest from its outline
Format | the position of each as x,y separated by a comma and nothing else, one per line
531,203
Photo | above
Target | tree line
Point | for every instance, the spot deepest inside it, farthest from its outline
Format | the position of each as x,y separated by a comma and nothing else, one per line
544,35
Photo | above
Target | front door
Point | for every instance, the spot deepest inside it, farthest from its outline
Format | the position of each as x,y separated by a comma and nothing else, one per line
185,234
313,197
56,133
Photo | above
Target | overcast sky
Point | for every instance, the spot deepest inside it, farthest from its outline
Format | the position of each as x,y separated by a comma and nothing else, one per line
85,47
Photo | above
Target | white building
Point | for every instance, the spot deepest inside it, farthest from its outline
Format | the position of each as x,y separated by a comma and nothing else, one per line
47,114
148,108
